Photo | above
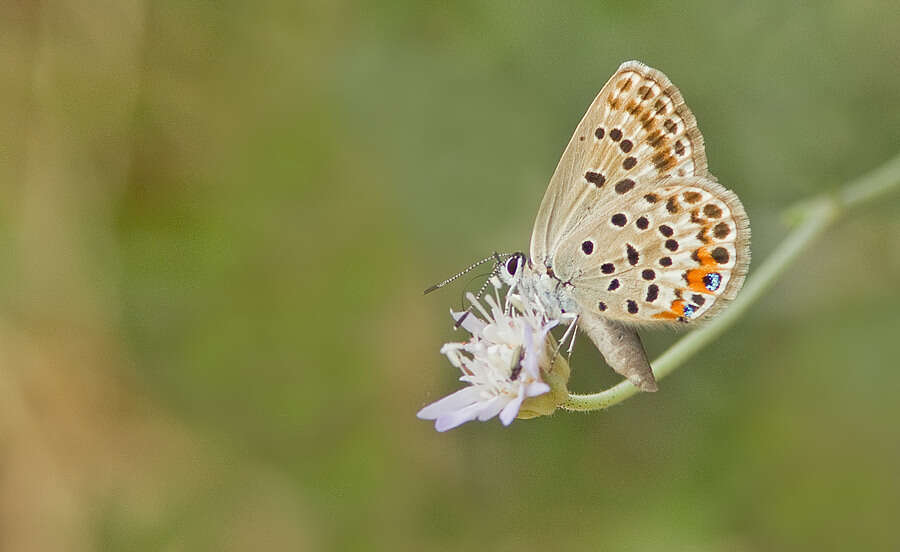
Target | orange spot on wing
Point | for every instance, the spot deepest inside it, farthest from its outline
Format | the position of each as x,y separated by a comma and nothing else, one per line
706,258
695,276
666,315
674,313
695,280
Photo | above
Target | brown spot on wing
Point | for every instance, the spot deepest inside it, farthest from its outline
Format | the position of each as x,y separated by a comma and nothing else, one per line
624,185
712,211
655,138
691,196
631,252
595,178
721,230
701,235
663,161
672,205
720,255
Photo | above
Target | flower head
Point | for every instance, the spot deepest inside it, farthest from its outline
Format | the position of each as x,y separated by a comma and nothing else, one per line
506,362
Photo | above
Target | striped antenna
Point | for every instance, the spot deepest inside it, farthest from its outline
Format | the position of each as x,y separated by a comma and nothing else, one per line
495,256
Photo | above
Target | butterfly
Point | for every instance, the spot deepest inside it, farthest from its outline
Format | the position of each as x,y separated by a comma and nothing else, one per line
633,230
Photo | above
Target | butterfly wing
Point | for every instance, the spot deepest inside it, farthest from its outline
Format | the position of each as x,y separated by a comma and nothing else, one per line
676,254
638,129
634,169
621,347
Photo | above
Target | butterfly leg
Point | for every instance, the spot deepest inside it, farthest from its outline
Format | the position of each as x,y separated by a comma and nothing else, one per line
570,335
573,326
622,349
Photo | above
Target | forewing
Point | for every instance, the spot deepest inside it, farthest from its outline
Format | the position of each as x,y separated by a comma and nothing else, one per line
637,130
677,253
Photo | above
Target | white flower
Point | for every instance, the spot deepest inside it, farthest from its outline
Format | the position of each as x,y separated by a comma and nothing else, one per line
501,362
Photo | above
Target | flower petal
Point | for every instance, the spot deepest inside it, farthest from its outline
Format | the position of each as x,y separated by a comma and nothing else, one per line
470,323
492,408
536,388
451,403
458,418
511,410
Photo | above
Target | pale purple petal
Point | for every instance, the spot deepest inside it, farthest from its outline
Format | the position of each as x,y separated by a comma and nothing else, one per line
458,418
452,352
527,338
475,303
511,410
470,323
532,353
492,408
536,388
453,402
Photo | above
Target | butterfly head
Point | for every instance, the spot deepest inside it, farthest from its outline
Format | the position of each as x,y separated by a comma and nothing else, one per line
511,268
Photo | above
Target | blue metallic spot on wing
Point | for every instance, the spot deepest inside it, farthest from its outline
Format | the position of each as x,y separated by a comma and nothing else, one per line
689,310
712,281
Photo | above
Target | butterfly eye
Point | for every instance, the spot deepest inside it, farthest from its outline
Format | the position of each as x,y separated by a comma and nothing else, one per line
512,266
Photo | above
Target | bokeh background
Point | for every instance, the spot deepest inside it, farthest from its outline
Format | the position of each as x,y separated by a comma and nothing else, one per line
217,219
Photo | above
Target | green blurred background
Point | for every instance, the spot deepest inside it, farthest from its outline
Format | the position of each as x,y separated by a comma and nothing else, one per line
216,220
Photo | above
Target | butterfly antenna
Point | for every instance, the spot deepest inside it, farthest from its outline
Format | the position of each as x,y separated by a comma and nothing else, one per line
495,256
480,292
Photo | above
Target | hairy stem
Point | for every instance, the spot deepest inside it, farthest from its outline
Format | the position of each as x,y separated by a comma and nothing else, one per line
810,218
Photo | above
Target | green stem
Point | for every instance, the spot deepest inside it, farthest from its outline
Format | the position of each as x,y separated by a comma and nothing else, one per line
812,217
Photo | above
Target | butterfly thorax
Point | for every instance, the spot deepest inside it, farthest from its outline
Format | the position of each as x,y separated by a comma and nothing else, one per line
557,297
554,295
